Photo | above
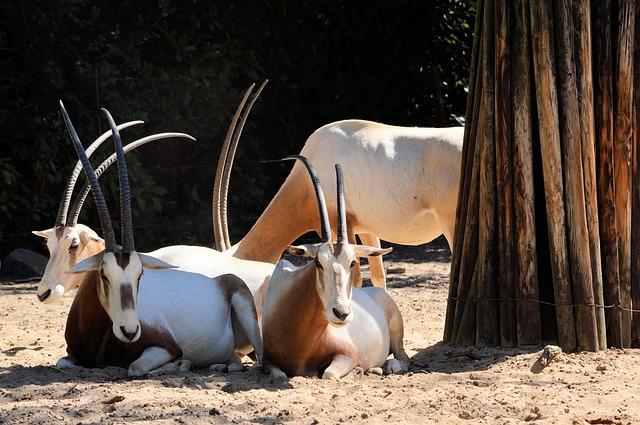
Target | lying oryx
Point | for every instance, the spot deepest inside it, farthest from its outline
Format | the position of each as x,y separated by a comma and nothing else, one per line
402,186
314,320
133,310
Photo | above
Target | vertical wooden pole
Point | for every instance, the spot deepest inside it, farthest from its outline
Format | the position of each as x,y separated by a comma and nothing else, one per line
623,137
603,108
549,130
527,312
574,198
487,322
472,108
504,176
582,25
635,193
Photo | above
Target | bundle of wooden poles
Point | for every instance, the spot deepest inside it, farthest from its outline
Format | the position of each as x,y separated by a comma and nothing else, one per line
547,242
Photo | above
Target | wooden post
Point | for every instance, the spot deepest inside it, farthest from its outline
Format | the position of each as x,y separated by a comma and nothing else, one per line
582,26
549,130
504,176
473,105
574,200
635,193
528,311
603,108
623,136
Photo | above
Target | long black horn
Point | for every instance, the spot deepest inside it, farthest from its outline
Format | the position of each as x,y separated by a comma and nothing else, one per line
322,205
76,207
224,193
63,209
126,220
342,212
101,205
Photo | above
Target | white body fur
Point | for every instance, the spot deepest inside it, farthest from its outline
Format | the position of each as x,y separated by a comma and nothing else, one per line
401,182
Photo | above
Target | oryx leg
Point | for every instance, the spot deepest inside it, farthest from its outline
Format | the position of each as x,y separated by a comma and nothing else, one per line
339,367
243,309
376,266
151,358
400,363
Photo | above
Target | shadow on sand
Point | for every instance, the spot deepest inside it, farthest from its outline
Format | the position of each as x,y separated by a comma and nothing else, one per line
446,358
17,376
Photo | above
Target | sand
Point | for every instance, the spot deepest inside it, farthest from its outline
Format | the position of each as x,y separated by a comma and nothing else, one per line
446,384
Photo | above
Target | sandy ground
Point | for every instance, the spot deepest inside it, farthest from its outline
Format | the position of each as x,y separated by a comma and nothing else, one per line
446,385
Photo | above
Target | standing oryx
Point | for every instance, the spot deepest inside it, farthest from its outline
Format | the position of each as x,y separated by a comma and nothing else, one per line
133,310
402,183
314,320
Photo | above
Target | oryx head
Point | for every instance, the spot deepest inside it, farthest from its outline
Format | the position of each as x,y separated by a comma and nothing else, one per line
69,242
334,262
119,267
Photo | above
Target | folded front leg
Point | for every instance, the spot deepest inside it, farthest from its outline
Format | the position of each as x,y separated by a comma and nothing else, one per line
339,367
151,358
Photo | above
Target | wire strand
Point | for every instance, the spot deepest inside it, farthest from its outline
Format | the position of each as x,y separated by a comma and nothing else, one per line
621,307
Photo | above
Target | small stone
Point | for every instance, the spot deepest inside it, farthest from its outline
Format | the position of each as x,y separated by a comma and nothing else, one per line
214,412
364,416
601,367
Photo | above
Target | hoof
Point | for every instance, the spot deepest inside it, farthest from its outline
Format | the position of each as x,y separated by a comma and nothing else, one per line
66,363
136,371
278,375
375,371
218,367
330,375
184,366
396,367
355,373
235,367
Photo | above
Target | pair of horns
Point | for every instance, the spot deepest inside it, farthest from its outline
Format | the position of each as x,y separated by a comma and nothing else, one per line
68,216
225,163
325,226
125,199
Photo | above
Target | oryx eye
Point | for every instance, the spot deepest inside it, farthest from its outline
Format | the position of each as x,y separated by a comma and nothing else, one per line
73,247
353,264
318,265
103,276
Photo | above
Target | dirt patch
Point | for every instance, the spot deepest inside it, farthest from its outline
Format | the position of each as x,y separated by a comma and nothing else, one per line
447,384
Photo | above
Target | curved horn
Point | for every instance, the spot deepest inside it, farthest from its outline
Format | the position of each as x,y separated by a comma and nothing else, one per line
63,209
101,205
78,202
126,221
226,176
342,214
322,205
218,232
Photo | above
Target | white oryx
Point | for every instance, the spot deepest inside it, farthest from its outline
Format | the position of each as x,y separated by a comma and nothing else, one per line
69,242
315,321
402,186
133,310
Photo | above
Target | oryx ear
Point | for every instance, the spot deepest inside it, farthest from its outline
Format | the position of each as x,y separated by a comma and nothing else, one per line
43,233
369,251
310,250
88,264
154,263
87,234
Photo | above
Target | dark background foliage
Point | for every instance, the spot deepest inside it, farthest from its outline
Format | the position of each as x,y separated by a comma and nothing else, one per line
183,66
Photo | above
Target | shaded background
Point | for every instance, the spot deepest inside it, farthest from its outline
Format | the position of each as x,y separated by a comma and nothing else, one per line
183,66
